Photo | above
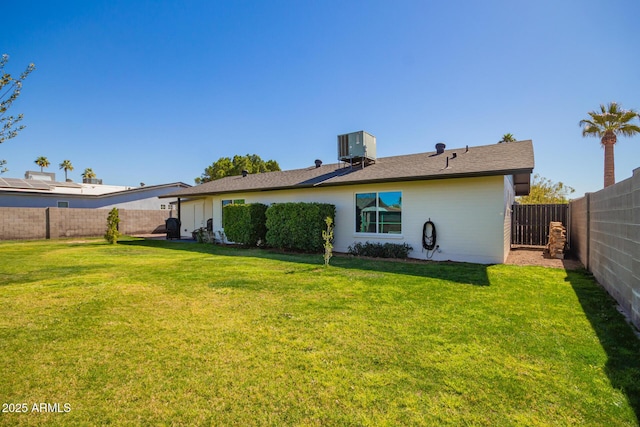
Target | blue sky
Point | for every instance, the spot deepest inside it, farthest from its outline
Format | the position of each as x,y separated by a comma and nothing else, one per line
155,91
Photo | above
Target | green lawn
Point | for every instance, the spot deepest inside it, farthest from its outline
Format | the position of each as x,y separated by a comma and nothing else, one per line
170,333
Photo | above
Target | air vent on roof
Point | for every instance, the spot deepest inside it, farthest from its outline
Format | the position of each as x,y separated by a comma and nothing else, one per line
357,147
440,146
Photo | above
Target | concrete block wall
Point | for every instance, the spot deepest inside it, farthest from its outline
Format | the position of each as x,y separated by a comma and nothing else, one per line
143,221
606,236
54,223
23,223
65,222
579,232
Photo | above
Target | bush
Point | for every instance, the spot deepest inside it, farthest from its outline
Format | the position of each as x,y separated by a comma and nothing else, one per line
327,237
298,226
245,224
379,250
112,233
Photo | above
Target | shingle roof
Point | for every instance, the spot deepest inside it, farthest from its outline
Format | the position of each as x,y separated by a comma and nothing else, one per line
513,158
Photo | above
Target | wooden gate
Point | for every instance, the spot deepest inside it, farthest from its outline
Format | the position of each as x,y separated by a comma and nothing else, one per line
530,223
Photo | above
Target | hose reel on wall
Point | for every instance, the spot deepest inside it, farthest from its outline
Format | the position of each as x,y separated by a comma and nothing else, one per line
429,238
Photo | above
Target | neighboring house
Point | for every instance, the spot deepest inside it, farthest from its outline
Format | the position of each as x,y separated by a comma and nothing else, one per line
37,192
466,192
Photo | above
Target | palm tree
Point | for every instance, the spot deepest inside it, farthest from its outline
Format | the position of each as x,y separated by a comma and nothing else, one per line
88,173
607,124
43,162
507,137
67,166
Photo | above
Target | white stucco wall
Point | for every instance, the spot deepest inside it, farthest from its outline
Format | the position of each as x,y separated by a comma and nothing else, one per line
469,215
509,199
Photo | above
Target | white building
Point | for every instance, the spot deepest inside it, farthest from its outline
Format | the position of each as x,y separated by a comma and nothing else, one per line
467,193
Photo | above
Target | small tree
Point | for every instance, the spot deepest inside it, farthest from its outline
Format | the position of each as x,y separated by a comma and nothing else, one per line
545,191
226,166
327,236
88,174
507,137
10,91
112,234
43,162
67,166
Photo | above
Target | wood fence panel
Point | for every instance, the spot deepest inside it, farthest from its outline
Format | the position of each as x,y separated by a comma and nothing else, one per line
530,223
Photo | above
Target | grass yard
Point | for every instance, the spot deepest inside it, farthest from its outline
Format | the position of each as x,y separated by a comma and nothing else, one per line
170,333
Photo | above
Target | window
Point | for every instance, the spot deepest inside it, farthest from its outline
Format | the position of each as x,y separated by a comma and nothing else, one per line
163,206
230,202
63,204
379,213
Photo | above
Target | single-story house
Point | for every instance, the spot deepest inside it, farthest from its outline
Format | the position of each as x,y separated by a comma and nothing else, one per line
34,192
466,193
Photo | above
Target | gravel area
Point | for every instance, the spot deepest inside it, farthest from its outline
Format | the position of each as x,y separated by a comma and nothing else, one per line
537,256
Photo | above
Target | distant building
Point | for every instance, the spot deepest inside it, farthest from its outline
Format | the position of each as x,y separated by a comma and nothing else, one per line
41,190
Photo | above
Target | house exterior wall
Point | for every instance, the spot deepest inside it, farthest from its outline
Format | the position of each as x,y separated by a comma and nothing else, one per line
509,200
469,215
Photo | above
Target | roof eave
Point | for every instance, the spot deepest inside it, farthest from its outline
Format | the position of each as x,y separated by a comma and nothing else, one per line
357,182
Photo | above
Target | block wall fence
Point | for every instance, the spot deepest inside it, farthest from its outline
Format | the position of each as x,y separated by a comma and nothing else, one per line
605,235
54,223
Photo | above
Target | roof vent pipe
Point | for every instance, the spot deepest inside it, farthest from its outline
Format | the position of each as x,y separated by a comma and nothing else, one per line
440,146
318,163
245,172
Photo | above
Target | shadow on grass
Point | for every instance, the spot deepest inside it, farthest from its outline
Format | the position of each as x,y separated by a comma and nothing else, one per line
615,334
463,273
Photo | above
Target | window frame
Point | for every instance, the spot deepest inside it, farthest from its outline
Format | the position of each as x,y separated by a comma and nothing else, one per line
378,224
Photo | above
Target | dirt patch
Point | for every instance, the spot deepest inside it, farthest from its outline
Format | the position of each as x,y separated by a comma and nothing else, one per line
539,257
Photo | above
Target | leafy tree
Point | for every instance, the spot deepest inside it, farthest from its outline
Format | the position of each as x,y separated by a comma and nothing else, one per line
507,137
67,166
9,91
607,124
88,173
3,169
226,166
545,191
43,162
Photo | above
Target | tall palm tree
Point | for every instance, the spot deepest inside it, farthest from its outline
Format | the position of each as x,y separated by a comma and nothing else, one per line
67,166
43,162
607,124
88,173
507,137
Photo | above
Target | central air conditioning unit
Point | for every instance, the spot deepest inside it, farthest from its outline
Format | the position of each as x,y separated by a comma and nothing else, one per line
357,147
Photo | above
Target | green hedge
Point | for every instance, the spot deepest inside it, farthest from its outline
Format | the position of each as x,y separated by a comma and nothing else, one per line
245,224
298,226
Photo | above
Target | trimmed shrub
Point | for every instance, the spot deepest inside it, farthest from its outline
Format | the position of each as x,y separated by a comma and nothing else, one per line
379,250
245,224
112,233
298,226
